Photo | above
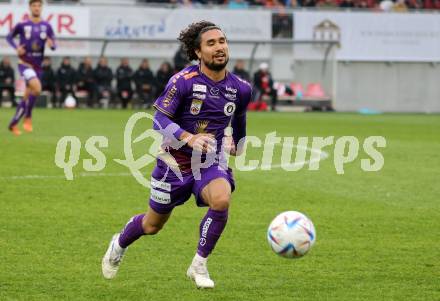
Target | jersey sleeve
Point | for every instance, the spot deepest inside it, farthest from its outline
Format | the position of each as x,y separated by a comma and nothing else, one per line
11,36
171,97
51,35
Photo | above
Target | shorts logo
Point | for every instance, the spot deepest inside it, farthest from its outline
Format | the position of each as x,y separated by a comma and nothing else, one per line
196,106
161,185
229,108
160,197
199,88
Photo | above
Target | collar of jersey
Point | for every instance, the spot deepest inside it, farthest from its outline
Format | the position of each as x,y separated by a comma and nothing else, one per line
210,80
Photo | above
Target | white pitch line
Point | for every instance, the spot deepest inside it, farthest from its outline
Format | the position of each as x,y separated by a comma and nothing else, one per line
80,175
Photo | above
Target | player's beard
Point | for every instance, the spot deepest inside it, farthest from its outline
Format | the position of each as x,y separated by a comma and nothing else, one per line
216,67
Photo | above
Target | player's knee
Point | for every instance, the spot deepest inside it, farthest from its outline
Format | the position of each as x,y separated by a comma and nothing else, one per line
220,201
151,229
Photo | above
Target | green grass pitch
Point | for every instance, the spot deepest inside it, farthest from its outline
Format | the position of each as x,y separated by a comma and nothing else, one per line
378,233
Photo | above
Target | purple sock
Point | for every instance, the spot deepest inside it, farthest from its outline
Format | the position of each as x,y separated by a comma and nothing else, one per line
211,228
132,231
21,107
30,106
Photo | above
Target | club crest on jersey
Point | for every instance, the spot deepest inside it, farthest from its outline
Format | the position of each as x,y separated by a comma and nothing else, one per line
229,108
199,88
196,106
43,35
214,91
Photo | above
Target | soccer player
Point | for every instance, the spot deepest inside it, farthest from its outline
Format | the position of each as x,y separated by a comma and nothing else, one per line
33,34
198,103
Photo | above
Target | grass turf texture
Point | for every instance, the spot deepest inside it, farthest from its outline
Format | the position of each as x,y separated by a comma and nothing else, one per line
377,233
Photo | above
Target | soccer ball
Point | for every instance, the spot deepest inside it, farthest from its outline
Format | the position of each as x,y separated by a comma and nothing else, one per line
291,234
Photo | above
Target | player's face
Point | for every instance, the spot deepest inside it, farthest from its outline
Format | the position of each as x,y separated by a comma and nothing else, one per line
214,50
36,9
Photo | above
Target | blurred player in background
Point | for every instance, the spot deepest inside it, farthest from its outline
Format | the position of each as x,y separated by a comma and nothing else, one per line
33,35
198,103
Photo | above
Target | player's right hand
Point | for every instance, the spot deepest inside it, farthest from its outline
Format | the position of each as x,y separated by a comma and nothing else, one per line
20,50
203,142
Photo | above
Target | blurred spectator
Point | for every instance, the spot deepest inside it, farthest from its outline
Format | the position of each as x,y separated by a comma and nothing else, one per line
144,80
327,4
240,71
346,4
257,2
103,76
124,76
308,3
238,4
7,80
180,60
263,83
282,26
400,6
163,75
414,4
48,80
86,80
66,79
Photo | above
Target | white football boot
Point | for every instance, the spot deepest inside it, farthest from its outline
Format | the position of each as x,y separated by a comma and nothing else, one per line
112,258
198,271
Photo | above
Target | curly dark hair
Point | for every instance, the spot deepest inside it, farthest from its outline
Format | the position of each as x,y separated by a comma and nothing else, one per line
190,37
35,1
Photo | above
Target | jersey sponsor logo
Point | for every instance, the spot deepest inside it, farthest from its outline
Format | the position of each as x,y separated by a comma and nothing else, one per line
196,106
230,89
190,75
229,108
199,95
214,91
27,32
161,185
230,96
160,197
169,96
199,88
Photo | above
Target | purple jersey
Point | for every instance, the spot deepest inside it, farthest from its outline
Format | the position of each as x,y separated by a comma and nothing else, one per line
200,105
33,37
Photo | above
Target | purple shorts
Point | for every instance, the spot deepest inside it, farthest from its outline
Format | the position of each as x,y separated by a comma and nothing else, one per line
168,191
28,72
